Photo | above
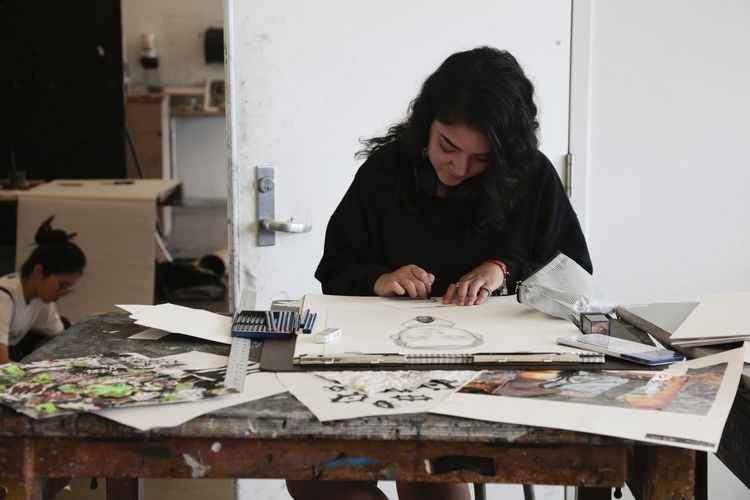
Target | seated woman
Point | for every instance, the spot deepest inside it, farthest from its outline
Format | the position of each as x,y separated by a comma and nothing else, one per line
456,200
28,316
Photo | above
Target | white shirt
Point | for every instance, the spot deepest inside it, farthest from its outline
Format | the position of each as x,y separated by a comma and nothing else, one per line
17,317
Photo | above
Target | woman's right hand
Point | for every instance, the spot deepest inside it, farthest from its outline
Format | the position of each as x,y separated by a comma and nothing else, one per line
408,280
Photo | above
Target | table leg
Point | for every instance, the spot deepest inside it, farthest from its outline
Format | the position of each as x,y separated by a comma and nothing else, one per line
587,493
701,475
17,480
124,488
669,473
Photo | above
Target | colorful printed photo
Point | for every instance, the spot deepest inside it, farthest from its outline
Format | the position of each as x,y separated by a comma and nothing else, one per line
62,386
693,392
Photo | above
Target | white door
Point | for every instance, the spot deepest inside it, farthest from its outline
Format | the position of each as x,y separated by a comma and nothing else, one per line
308,80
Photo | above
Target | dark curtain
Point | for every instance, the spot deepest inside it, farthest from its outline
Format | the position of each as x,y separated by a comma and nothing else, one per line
61,88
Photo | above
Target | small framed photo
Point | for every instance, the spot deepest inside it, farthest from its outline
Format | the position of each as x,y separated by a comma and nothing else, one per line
214,100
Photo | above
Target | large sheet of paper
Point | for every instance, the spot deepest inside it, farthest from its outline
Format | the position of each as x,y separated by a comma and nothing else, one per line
257,386
718,315
685,406
411,326
185,320
342,395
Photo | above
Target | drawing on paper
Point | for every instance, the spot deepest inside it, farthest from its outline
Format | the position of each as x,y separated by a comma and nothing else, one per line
692,392
62,386
409,303
341,395
431,333
391,398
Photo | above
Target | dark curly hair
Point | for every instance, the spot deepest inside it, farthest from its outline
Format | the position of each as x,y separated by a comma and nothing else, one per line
55,252
486,89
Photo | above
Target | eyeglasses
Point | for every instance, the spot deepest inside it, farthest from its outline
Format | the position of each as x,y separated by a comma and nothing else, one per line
65,287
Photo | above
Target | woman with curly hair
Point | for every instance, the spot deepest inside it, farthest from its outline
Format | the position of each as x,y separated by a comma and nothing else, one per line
456,200
28,316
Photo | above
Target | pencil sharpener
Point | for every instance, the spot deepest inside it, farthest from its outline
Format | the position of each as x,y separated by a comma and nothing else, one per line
595,323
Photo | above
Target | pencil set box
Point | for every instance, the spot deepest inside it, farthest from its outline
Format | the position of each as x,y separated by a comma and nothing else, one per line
265,324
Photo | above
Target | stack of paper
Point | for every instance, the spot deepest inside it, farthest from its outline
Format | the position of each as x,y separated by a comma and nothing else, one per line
720,318
185,320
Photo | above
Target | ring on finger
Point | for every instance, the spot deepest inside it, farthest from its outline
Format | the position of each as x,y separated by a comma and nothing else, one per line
489,292
458,284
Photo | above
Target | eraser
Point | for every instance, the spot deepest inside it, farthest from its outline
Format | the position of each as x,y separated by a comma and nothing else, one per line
327,335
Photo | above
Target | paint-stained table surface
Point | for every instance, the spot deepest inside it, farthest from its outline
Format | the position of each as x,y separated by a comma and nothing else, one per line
277,437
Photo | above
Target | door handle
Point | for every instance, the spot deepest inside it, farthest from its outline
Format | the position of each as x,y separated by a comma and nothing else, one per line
285,227
266,214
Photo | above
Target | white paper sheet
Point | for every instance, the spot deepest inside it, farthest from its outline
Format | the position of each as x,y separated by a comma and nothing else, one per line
149,334
718,315
185,320
329,400
381,325
133,308
257,386
694,403
197,360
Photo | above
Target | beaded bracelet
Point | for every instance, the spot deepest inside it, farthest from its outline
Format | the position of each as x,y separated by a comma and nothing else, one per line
503,288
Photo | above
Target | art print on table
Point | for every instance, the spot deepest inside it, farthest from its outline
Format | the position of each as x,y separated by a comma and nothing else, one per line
692,392
331,398
685,405
87,384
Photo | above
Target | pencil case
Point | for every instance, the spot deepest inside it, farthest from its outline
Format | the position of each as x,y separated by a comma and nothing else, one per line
265,324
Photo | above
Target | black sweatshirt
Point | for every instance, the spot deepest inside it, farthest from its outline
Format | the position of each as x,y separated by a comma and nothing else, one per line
378,228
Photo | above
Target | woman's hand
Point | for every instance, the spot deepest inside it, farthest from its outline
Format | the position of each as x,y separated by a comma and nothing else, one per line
408,280
475,286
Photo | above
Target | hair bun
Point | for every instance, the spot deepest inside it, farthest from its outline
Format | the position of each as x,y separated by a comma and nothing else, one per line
45,235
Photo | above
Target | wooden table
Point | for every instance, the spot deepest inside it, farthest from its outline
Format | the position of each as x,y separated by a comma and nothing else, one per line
277,437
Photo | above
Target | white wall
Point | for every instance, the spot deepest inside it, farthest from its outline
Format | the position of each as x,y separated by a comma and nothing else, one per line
669,131
669,168
201,157
179,26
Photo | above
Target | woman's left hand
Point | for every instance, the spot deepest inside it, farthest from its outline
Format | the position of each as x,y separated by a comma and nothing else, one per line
475,286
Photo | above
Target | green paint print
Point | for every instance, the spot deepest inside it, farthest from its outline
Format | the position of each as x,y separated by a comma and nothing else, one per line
55,387
42,378
14,371
112,391
46,408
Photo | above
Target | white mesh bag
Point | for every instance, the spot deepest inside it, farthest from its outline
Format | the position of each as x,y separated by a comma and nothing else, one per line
564,289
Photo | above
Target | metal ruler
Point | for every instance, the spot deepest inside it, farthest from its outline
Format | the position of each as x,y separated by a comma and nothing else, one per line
239,354
239,357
